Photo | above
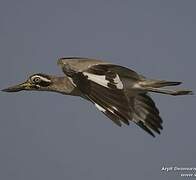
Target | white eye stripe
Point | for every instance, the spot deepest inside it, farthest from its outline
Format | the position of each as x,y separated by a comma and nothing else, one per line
41,77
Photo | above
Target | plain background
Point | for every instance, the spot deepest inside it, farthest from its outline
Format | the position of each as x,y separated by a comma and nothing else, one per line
46,136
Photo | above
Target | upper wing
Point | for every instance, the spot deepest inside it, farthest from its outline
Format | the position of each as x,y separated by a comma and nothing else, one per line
104,88
95,66
111,69
78,64
111,101
109,87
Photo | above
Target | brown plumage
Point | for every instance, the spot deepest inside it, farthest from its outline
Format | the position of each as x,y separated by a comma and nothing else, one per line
118,92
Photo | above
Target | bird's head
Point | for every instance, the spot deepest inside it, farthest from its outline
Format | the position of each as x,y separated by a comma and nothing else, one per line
39,82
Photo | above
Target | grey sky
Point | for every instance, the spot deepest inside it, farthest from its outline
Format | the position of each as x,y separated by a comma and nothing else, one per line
50,136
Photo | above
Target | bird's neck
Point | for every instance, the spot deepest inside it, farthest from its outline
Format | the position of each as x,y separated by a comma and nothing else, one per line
65,86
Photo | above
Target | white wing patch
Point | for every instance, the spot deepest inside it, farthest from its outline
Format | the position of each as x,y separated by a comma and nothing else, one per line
104,110
118,82
99,107
72,81
99,79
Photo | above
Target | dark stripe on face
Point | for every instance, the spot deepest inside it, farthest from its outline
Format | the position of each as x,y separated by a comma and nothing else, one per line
44,83
41,80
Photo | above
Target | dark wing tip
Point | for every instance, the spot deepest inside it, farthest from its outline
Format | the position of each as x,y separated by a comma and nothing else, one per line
145,128
147,115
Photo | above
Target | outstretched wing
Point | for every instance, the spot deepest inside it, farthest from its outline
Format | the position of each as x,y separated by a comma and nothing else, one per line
107,83
107,98
111,88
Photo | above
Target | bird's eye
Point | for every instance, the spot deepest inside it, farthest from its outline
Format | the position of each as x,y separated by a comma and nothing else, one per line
36,80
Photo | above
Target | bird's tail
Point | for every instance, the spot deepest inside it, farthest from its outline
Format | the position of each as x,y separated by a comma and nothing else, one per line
157,86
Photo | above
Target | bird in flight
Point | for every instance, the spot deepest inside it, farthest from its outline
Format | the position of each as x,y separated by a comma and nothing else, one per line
118,92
